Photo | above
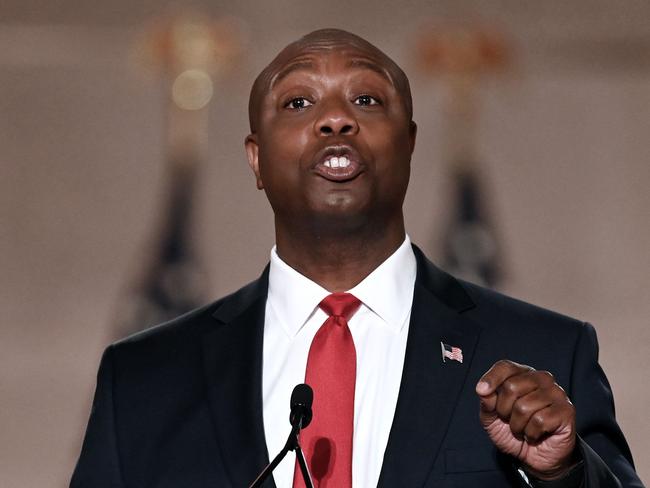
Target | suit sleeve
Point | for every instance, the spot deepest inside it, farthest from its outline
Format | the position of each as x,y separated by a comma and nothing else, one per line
607,457
99,465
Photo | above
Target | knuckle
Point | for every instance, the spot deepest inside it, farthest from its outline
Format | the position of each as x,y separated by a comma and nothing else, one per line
509,386
538,420
569,407
546,378
559,394
521,408
502,365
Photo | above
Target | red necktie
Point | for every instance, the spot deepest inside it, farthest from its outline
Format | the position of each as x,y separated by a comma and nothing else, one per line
331,372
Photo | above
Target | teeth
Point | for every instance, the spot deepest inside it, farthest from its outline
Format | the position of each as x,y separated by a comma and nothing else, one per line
337,162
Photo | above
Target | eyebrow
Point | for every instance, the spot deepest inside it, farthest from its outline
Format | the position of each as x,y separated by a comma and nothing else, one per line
372,66
287,70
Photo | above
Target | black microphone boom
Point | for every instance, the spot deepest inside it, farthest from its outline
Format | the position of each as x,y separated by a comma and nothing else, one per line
301,399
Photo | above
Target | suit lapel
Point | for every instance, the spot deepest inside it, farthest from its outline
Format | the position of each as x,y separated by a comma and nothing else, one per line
232,354
430,387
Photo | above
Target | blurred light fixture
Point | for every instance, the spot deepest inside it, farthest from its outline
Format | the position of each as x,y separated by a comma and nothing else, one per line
191,50
192,89
461,49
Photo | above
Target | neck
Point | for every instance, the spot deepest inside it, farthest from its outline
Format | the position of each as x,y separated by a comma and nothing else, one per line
336,260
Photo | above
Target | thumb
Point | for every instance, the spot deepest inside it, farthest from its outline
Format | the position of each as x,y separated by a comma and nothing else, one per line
483,387
488,403
487,410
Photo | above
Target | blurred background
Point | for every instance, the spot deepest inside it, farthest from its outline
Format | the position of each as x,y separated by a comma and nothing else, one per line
125,196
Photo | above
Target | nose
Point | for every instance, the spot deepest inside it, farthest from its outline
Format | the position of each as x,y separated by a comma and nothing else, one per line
336,119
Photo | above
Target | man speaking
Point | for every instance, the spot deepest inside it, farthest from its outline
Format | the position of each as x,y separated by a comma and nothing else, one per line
419,379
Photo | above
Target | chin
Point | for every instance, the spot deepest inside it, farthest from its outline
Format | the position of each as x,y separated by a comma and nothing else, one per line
338,218
339,203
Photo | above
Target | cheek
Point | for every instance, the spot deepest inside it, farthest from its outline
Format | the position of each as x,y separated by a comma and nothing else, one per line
393,145
395,168
285,152
279,168
284,139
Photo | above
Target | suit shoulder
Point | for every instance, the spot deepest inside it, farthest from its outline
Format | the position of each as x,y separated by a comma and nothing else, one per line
528,334
186,324
193,324
492,310
504,309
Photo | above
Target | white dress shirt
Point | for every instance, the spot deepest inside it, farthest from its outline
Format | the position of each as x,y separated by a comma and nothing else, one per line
379,329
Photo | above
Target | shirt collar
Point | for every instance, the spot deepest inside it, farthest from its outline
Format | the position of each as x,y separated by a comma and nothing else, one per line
387,291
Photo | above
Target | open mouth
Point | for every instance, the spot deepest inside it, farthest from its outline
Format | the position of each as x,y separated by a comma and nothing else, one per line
338,164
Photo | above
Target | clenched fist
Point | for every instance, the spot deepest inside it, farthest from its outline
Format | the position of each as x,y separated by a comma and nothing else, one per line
529,416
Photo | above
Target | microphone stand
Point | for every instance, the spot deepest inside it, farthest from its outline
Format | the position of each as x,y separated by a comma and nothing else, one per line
291,445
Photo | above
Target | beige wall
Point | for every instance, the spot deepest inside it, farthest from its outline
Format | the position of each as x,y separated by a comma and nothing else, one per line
564,145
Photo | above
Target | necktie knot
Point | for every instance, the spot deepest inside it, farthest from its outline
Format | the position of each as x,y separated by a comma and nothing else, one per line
340,305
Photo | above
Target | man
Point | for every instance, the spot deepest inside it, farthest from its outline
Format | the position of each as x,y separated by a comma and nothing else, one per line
419,378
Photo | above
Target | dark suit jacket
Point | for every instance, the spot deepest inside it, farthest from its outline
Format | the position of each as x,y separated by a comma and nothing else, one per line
180,405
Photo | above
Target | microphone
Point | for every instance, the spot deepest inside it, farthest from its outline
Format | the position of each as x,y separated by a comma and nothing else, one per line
301,400
300,416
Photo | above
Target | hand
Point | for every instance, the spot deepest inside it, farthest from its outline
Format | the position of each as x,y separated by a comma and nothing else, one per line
528,416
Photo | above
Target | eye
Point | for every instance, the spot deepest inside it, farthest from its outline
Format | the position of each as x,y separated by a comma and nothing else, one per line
297,103
366,100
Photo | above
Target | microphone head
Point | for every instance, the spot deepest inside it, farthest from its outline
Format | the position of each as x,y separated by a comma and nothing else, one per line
302,395
302,398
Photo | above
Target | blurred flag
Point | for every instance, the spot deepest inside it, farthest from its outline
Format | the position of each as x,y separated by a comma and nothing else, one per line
173,281
470,246
461,55
188,49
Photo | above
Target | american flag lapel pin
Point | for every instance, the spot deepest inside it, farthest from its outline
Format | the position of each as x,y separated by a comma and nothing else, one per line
451,352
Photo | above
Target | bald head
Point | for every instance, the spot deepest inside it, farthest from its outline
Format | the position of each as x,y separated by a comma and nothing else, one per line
325,40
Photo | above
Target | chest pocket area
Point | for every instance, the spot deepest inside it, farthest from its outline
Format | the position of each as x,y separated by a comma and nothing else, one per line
472,460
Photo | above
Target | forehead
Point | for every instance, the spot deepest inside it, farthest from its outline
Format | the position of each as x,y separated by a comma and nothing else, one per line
346,58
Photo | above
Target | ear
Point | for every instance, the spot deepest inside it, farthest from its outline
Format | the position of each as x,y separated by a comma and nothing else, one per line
413,131
252,152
